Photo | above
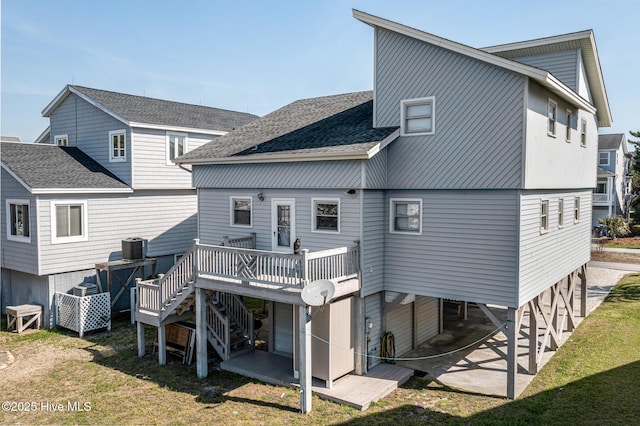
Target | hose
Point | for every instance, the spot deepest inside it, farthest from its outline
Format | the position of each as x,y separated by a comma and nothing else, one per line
388,348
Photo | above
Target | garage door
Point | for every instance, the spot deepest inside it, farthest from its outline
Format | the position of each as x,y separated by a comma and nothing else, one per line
400,323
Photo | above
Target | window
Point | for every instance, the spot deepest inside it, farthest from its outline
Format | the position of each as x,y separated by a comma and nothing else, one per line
583,133
118,145
552,114
569,123
18,227
61,140
544,216
602,186
68,221
176,146
576,210
326,215
603,158
560,213
417,116
241,211
406,216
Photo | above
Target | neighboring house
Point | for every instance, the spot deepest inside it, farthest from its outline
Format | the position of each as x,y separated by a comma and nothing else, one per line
613,192
106,174
466,174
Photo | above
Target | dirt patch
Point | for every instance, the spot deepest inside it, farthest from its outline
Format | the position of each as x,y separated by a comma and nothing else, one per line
38,359
6,358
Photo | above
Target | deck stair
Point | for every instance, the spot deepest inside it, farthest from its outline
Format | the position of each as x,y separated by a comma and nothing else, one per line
172,294
229,325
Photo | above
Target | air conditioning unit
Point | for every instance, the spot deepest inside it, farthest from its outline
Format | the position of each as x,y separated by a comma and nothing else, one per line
134,249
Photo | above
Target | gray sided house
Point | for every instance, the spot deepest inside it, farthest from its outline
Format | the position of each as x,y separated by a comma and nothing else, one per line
466,174
612,195
102,172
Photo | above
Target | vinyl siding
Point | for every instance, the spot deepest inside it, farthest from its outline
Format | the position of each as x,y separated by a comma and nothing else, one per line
467,250
376,171
551,162
150,170
373,313
479,113
19,288
214,217
283,328
18,255
167,219
374,228
88,128
427,318
563,65
317,174
547,258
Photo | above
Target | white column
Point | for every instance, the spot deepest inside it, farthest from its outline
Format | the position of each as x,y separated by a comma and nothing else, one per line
304,340
512,352
201,334
140,327
162,345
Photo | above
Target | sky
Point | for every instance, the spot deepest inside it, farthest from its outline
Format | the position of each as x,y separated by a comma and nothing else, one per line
257,56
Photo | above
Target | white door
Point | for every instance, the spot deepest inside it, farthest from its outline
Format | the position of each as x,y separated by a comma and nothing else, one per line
283,224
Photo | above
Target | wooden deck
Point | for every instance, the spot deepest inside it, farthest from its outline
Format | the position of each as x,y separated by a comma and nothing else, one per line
352,390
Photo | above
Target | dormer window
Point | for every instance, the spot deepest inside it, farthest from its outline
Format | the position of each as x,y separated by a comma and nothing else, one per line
552,114
118,145
61,140
176,146
417,116
603,158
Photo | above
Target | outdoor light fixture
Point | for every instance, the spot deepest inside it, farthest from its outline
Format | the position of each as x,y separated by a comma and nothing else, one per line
350,192
260,196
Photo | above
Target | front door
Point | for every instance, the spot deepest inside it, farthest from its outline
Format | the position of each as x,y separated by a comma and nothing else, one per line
283,224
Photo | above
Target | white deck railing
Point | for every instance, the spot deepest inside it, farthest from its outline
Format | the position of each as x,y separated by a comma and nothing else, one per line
601,198
247,267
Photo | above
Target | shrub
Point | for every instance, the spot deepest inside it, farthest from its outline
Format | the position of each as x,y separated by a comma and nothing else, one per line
615,226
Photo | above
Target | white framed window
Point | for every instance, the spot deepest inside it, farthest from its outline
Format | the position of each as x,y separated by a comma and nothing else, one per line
177,144
417,116
118,145
603,158
326,215
583,132
560,212
601,187
18,221
576,210
405,216
61,140
567,135
69,221
552,116
241,211
544,216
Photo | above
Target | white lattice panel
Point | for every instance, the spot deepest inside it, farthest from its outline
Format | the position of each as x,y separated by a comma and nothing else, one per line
84,313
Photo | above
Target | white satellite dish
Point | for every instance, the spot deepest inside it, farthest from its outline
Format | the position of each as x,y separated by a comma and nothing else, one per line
318,293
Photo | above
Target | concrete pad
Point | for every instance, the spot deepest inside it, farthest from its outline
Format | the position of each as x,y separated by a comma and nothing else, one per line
482,367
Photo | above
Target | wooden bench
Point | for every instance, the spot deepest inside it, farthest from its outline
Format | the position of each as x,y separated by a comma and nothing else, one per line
16,316
180,341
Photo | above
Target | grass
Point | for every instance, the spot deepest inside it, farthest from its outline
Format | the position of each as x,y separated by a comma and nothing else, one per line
593,379
627,242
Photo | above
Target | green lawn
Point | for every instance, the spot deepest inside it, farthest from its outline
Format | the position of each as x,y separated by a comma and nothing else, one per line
594,379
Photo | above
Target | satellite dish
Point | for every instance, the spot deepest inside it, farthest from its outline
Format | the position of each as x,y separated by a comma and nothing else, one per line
318,293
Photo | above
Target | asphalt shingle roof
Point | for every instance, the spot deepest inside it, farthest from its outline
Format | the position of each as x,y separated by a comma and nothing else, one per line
51,166
328,124
140,109
611,141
